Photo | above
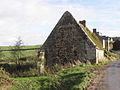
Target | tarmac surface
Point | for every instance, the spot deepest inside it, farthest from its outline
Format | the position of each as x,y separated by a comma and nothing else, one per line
111,78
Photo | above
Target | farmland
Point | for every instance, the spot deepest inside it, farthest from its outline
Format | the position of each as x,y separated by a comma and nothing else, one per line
6,55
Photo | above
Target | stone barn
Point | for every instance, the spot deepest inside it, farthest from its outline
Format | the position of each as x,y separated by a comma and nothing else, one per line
70,42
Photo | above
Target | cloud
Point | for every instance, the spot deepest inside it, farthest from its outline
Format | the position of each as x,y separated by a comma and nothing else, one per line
33,20
16,19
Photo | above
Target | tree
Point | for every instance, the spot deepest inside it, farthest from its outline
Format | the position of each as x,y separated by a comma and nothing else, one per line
16,52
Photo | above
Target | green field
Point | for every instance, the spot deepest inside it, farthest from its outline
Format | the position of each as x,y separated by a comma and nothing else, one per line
7,54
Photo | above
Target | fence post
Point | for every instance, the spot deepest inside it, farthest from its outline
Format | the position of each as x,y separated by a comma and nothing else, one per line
41,62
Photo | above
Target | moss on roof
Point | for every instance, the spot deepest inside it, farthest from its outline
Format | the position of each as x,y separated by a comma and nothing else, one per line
92,36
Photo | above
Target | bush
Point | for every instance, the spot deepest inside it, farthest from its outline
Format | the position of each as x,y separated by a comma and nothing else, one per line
20,70
31,72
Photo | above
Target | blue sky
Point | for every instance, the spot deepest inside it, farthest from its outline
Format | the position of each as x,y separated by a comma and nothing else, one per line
33,20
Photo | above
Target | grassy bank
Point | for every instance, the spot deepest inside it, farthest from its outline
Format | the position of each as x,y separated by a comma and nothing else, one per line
75,78
4,79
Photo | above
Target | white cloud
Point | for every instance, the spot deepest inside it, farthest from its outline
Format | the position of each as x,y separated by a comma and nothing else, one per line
33,20
20,18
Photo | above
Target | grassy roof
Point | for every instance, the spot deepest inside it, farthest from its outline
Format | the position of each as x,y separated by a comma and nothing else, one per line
92,36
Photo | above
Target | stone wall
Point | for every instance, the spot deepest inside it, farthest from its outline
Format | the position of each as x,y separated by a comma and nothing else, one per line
91,52
68,43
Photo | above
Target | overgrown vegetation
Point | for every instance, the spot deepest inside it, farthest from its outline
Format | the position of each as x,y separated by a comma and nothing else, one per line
23,70
4,78
92,36
75,78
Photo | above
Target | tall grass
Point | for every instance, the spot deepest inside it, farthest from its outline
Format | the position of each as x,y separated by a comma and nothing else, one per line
76,78
4,78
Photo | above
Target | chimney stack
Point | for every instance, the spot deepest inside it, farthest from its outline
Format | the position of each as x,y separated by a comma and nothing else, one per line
97,33
94,30
83,22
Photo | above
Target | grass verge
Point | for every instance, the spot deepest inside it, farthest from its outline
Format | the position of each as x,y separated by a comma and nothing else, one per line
76,78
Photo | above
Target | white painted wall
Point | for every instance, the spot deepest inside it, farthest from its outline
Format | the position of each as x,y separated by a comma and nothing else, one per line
103,43
99,55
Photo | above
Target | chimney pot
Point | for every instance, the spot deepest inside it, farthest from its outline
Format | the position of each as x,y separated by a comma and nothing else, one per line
97,33
83,22
94,30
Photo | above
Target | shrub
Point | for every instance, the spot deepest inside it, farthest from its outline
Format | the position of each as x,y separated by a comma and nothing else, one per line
20,70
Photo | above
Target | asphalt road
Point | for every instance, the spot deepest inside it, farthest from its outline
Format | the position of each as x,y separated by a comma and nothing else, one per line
111,78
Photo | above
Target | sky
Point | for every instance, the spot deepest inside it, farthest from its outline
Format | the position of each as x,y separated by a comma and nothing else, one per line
33,20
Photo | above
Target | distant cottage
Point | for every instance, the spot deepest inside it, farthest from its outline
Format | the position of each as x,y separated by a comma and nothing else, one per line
70,42
107,42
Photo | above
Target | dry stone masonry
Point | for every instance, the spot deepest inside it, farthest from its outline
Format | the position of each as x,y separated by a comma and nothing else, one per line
68,43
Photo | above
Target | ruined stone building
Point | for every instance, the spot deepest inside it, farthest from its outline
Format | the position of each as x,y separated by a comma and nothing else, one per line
70,42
